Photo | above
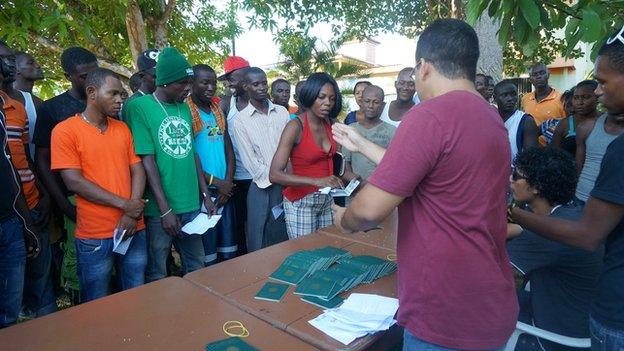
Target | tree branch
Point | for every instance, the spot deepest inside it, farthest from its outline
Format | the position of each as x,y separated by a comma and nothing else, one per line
168,11
103,62
562,9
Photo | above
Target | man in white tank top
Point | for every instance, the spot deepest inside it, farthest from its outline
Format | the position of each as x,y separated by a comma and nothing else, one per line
521,127
28,73
394,111
235,101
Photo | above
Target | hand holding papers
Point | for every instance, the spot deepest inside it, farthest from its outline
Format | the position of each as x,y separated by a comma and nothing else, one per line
120,245
353,184
203,222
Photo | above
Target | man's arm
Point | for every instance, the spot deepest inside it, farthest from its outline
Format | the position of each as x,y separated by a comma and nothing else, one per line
203,187
170,222
52,183
598,220
582,133
349,138
369,208
92,192
531,133
226,186
558,134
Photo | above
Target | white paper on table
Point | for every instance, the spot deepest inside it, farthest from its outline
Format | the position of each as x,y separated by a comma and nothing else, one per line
371,304
362,321
278,210
201,224
120,245
335,329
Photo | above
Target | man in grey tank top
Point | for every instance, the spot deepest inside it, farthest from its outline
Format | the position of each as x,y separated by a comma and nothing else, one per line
591,146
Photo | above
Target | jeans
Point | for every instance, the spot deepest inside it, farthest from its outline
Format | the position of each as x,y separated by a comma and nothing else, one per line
219,242
39,299
12,267
412,343
190,247
239,199
95,258
603,338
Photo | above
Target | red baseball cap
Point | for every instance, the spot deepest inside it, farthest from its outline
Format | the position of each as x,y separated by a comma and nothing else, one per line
231,64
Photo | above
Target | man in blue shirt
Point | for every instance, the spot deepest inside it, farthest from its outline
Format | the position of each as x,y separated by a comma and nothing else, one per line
214,147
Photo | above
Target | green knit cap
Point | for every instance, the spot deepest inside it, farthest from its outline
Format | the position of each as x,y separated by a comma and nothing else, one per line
171,67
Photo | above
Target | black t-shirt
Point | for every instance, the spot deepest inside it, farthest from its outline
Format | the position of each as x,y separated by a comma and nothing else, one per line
7,184
608,306
563,280
51,113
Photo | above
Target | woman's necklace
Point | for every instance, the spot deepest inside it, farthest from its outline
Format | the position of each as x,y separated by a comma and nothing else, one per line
101,130
163,107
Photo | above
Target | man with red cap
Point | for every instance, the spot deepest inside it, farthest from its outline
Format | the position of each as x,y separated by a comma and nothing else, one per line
236,100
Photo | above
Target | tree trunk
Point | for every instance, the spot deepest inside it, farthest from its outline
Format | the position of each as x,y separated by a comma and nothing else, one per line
159,25
160,35
491,53
135,27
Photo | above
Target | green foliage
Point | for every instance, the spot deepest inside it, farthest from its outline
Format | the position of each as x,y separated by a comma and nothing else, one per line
46,27
303,57
532,23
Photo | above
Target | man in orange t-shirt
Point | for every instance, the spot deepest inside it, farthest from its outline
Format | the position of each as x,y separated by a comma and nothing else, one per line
545,102
95,156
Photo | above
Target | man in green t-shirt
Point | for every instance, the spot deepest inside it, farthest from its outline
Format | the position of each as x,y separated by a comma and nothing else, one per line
161,124
372,128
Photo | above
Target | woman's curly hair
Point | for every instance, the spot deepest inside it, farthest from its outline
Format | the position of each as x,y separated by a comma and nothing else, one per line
552,172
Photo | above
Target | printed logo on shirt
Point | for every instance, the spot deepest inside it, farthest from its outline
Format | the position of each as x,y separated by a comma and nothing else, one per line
174,135
214,131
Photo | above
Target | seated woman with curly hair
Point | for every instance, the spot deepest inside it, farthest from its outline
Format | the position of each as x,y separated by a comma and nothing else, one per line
562,277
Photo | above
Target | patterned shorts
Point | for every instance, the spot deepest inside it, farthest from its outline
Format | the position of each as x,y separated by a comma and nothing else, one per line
307,215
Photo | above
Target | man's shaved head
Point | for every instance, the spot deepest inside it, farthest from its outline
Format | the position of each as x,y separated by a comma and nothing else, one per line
374,90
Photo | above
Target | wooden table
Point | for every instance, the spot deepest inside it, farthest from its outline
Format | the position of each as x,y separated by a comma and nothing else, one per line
385,236
170,314
238,280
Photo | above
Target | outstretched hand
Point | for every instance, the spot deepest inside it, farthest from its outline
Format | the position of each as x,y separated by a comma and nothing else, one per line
347,136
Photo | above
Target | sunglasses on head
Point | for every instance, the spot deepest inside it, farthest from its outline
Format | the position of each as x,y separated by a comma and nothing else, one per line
515,175
619,36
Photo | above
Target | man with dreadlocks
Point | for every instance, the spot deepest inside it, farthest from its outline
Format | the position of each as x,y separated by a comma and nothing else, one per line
214,147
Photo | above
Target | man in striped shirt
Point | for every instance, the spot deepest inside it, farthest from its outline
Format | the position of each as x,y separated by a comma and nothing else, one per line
258,129
39,297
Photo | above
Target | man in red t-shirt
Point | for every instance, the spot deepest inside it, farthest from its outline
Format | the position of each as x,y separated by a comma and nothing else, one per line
447,170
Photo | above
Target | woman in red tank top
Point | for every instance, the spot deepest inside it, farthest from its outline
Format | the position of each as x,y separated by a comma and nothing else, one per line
308,143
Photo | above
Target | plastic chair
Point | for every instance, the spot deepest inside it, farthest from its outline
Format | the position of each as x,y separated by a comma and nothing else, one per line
523,328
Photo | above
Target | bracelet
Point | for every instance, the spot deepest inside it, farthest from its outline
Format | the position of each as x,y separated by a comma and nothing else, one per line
166,213
211,179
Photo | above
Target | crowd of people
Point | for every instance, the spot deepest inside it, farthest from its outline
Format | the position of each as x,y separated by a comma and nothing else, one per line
483,185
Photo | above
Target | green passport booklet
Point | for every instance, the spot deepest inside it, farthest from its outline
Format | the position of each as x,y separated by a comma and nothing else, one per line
272,292
230,344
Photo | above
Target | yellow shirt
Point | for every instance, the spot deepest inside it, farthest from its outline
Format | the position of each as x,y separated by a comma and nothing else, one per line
550,107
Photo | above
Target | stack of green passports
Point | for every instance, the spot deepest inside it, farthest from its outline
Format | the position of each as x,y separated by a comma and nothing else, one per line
347,274
322,274
303,263
272,292
230,344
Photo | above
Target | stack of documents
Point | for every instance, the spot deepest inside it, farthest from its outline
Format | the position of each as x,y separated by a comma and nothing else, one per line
325,285
303,263
359,315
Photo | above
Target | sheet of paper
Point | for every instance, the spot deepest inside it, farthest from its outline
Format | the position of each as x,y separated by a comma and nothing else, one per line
335,329
201,224
278,210
371,304
120,246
